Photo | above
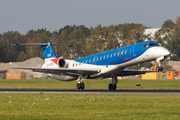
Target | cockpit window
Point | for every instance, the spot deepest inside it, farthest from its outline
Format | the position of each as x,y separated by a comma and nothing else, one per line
153,44
150,45
157,44
145,45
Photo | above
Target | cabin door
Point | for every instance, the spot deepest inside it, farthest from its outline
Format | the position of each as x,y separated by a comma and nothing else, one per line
132,55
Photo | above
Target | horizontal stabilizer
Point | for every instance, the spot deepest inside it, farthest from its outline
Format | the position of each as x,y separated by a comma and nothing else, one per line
32,44
40,44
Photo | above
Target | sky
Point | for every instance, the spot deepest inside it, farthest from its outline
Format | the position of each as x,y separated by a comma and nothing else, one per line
25,15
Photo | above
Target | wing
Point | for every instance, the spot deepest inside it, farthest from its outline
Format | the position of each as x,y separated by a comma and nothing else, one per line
65,71
127,72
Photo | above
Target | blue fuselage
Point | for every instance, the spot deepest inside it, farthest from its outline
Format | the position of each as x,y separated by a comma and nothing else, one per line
116,56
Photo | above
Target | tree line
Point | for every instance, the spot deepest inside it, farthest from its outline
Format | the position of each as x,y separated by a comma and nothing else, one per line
86,41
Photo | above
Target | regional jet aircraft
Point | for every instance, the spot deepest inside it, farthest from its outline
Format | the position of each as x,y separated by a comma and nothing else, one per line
99,66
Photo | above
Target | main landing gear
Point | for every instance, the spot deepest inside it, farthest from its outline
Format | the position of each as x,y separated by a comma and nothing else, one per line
113,86
80,84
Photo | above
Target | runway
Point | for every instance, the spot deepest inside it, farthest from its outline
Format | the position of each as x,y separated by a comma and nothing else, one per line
89,91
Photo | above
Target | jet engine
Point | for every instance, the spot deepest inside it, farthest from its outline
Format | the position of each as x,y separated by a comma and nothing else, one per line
61,63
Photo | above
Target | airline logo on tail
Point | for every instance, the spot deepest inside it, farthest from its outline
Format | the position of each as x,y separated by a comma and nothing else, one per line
49,55
48,52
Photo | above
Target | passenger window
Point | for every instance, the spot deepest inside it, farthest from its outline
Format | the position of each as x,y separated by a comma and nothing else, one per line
97,58
125,51
83,62
90,61
111,55
101,58
104,57
76,64
93,59
86,61
118,53
80,63
73,65
122,53
107,56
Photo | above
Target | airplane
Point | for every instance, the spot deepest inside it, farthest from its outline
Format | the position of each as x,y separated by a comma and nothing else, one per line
109,64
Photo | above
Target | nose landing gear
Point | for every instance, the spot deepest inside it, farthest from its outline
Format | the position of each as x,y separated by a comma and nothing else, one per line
160,68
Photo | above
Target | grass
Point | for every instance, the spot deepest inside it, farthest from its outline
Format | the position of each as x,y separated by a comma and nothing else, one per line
90,84
88,107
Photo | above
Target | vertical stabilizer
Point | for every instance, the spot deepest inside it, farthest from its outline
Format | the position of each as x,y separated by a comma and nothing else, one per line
48,52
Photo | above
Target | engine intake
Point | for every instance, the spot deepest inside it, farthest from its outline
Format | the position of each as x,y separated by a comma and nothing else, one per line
62,63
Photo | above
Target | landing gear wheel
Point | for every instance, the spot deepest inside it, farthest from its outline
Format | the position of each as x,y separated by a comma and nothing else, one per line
78,86
82,86
114,87
110,86
159,68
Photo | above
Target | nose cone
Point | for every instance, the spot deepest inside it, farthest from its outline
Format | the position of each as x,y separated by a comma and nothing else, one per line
163,51
159,52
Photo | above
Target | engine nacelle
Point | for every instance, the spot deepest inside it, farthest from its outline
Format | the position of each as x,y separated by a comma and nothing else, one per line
61,63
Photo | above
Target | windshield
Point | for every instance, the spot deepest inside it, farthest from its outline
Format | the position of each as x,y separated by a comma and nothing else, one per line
153,44
150,45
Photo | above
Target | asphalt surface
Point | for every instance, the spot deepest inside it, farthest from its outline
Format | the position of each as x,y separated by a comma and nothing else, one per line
90,91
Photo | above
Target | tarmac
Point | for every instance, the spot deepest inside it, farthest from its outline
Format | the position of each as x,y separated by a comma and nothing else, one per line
90,91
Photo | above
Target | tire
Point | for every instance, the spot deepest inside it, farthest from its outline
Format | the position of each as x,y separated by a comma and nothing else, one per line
161,68
110,86
157,68
82,86
114,87
78,86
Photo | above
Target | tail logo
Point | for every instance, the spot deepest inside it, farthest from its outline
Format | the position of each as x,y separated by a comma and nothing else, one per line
49,55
